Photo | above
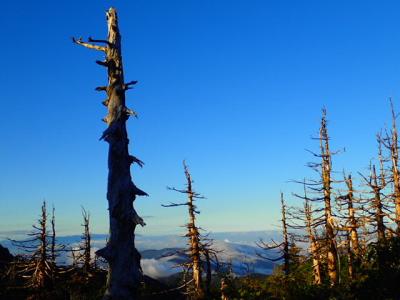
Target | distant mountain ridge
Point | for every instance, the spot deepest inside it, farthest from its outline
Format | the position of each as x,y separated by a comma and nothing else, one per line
159,257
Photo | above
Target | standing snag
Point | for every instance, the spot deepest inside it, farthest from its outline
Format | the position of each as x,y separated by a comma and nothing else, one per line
53,236
394,149
124,273
309,229
392,144
350,225
314,247
375,208
38,265
87,258
283,246
82,256
323,219
326,169
195,245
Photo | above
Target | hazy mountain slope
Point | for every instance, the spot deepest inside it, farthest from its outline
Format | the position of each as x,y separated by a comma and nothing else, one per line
159,257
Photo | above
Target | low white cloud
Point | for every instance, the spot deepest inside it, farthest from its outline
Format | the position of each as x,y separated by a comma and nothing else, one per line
157,268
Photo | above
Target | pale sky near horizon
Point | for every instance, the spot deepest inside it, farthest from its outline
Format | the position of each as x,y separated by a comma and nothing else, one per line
234,87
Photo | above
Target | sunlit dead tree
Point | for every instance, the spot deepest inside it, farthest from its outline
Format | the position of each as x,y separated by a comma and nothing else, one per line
303,222
375,208
314,246
193,235
322,194
349,224
390,141
82,256
283,247
37,263
124,272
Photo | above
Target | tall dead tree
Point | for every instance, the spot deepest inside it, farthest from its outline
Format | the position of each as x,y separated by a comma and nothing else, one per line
285,237
43,272
323,194
314,247
193,234
87,261
38,263
283,247
83,256
379,206
350,224
124,272
326,169
391,143
209,258
53,236
374,207
378,203
303,222
394,148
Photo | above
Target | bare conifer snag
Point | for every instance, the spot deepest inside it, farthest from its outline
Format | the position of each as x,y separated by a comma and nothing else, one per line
314,249
41,274
379,214
40,268
285,237
350,225
196,248
194,238
322,215
86,245
53,236
353,225
283,247
394,149
326,167
377,209
124,274
391,143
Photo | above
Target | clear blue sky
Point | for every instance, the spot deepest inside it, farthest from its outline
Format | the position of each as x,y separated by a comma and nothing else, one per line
234,87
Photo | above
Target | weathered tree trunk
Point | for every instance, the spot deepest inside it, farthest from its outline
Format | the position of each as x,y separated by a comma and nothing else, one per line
350,257
87,258
196,248
352,243
40,276
284,247
380,225
208,273
379,214
314,249
326,166
53,236
124,273
353,225
394,151
194,237
286,256
40,269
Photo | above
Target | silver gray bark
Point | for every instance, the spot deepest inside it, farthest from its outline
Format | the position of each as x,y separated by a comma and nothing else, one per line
124,274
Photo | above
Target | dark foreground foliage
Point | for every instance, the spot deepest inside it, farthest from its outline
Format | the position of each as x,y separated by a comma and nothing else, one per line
377,277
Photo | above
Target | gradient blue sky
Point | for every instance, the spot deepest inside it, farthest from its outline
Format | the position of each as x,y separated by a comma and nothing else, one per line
234,87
